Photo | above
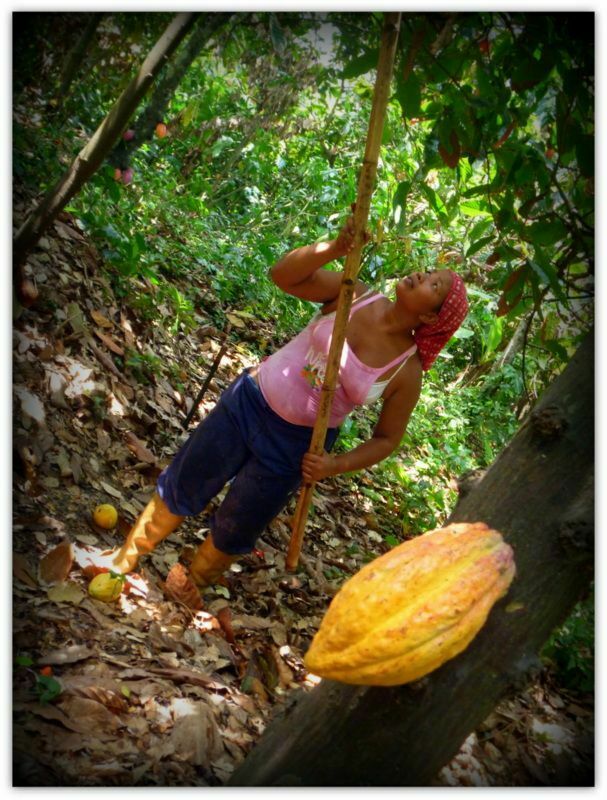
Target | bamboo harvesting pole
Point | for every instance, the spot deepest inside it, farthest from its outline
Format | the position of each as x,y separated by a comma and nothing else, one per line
366,184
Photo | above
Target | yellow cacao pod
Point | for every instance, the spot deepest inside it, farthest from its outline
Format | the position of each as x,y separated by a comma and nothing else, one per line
410,610
106,516
106,587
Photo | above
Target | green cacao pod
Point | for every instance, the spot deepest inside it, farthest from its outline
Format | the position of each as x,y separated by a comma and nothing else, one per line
410,610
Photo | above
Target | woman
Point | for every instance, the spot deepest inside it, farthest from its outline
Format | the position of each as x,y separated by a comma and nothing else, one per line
259,433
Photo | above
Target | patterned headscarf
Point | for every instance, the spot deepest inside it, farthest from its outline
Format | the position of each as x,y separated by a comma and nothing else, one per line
430,339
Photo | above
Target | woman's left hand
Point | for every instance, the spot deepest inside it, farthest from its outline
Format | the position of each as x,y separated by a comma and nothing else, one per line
315,468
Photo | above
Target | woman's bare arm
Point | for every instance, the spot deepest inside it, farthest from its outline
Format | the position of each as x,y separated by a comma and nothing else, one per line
300,272
397,408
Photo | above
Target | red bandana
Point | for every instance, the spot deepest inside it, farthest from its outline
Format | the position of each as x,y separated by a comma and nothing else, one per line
430,339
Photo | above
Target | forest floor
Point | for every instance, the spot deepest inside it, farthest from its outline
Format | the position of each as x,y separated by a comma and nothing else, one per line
142,691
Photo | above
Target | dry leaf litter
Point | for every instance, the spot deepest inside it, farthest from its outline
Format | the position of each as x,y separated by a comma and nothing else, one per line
151,693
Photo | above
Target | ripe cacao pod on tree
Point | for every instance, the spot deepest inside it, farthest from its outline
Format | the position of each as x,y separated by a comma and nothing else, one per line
410,610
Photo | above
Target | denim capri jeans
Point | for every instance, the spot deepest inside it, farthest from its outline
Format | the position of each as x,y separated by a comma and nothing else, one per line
243,441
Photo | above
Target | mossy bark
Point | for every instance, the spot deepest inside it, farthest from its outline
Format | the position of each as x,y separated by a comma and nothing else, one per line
540,494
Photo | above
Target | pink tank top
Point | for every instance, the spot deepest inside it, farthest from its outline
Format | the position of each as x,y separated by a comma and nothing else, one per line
291,378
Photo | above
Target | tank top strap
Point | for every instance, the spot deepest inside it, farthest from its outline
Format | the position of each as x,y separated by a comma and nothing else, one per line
368,297
404,357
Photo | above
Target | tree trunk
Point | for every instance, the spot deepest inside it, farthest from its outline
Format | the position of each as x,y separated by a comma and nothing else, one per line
92,155
540,494
76,57
154,112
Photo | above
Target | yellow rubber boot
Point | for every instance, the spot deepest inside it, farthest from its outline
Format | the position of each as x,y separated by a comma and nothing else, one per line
153,525
209,563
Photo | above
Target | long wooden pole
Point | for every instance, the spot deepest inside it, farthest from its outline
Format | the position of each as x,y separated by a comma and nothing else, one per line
366,183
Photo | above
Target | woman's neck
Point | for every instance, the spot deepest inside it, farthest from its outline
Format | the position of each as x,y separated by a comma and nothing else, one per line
394,319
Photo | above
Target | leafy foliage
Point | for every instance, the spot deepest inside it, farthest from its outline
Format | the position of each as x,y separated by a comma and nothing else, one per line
45,686
570,649
486,166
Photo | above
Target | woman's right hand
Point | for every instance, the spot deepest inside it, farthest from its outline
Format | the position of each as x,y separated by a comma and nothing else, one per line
300,272
344,242
345,239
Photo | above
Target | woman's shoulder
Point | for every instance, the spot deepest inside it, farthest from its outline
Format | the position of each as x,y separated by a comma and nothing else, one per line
360,289
408,380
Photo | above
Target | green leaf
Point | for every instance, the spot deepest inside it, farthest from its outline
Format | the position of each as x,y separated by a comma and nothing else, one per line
387,134
48,688
539,272
132,251
112,234
567,129
361,65
114,190
522,307
550,276
547,232
494,335
278,38
485,188
505,219
530,71
557,349
475,210
220,145
24,661
409,95
453,62
474,248
399,202
463,333
433,198
473,291
584,152
479,229
190,111
508,253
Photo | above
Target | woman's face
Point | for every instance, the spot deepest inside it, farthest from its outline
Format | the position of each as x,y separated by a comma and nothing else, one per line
424,292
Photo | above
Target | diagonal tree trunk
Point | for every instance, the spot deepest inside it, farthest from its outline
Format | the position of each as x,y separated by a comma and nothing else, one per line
90,158
155,110
540,494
